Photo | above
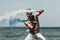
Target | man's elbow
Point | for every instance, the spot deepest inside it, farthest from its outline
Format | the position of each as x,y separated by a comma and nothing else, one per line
40,12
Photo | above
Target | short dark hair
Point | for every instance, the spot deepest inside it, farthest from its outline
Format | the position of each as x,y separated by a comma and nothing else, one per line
28,9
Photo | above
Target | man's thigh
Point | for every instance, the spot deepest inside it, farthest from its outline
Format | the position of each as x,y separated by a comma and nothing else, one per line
39,36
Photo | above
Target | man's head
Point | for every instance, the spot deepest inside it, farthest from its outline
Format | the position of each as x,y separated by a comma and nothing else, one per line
28,12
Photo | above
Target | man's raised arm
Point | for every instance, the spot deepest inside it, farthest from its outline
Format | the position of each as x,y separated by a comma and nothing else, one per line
39,12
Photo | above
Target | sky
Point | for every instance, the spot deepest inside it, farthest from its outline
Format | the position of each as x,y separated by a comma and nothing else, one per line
50,17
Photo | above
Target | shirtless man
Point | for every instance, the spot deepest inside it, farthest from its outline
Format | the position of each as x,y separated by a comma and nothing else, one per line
33,25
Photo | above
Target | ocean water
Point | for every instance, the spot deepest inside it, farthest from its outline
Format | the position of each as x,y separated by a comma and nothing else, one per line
20,33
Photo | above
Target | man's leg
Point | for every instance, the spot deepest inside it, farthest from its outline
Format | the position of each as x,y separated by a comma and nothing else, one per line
40,36
29,37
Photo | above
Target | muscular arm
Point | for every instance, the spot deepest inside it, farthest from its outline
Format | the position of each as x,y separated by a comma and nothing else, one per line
28,25
39,12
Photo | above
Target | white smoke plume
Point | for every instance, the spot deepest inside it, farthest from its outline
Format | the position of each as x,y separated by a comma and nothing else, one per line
11,14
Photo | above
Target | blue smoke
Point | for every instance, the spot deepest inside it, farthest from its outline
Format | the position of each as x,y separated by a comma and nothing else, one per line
15,20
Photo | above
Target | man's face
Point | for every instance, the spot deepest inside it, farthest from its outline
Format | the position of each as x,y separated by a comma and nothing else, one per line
29,14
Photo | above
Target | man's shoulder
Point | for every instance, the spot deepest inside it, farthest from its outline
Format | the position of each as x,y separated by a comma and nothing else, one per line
34,15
